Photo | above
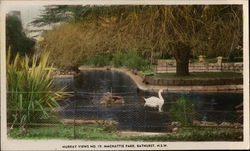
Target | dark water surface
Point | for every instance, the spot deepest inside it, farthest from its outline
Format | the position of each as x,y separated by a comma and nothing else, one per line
90,86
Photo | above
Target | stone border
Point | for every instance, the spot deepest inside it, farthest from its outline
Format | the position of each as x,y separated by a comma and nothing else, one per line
193,82
139,77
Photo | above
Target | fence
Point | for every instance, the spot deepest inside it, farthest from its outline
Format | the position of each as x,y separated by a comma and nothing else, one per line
84,108
169,66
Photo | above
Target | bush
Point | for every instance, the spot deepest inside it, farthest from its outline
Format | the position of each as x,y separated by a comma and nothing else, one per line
183,111
30,84
131,60
118,59
134,61
98,60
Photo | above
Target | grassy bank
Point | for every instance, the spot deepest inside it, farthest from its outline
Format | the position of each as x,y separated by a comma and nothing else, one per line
201,75
64,132
99,133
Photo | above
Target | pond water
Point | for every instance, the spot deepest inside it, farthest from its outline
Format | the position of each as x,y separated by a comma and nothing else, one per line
90,86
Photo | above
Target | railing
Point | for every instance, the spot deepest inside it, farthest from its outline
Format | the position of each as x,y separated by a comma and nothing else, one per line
170,67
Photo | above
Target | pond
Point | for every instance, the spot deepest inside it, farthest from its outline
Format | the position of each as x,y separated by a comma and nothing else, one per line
90,86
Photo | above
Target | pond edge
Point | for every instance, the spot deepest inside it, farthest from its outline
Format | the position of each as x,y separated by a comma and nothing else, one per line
138,78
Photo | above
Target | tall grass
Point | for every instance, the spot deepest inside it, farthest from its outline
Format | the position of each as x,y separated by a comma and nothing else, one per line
183,111
31,92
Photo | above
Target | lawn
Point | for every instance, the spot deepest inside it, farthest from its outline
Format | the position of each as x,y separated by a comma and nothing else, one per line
201,75
99,133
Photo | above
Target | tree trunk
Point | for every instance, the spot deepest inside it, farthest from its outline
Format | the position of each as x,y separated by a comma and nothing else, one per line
182,68
182,55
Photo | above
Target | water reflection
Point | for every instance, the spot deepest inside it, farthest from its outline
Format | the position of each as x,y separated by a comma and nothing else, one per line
92,85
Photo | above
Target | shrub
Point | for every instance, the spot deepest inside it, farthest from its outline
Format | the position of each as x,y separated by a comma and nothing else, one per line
118,59
98,60
134,61
31,92
130,59
183,111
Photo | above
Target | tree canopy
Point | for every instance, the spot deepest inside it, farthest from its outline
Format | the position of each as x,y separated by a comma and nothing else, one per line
153,30
16,39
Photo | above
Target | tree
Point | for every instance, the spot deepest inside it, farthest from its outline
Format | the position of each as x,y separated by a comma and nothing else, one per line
224,29
62,13
181,31
185,30
16,38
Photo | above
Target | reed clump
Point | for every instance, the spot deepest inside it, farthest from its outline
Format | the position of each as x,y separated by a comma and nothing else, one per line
31,92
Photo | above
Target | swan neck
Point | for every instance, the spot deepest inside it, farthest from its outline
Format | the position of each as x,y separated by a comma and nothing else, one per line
160,96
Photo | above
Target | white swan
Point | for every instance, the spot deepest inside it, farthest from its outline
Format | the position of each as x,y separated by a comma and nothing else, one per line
155,102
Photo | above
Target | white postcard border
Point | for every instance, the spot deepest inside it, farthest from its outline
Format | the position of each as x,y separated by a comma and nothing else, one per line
12,144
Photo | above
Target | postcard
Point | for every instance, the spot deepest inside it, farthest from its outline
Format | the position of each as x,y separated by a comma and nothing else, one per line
124,75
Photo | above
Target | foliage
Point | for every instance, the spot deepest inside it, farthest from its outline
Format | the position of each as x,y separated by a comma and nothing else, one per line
130,59
57,13
16,38
224,30
236,55
183,111
153,31
31,92
67,13
88,48
69,44
117,60
98,60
